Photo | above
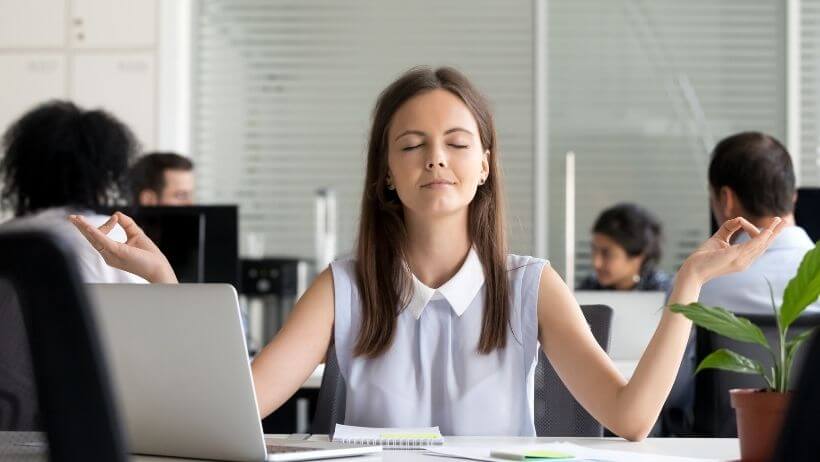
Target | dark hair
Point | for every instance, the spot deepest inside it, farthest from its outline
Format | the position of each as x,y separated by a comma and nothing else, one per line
758,169
382,277
59,155
636,230
148,172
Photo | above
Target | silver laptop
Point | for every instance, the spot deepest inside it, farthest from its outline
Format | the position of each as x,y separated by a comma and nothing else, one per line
182,378
635,317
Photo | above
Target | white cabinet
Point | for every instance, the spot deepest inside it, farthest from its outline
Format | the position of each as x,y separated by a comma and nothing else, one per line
97,53
27,80
105,24
32,23
121,83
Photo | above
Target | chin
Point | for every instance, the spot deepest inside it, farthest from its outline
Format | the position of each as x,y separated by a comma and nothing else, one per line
440,209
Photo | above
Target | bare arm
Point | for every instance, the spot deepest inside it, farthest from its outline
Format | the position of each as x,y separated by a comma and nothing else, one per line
630,408
288,360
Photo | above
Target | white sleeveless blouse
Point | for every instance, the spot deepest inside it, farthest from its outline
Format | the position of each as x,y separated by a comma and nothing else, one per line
432,374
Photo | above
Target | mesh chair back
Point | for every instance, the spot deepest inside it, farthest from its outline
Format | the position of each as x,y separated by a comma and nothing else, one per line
557,413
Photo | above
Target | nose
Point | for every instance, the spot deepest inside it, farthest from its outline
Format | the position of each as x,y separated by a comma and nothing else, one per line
597,262
436,159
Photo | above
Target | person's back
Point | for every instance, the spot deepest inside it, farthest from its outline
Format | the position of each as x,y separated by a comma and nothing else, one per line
61,160
751,175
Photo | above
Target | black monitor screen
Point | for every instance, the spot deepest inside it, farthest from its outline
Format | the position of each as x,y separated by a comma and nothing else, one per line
807,211
201,242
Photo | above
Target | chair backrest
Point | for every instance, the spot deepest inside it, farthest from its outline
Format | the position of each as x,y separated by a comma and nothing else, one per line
713,414
557,413
798,440
73,395
330,407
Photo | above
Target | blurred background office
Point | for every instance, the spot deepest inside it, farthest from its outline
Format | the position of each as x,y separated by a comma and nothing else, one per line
270,100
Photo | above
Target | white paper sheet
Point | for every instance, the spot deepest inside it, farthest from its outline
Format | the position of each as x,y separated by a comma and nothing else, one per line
580,453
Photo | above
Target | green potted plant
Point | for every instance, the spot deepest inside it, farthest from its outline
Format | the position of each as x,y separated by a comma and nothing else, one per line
760,412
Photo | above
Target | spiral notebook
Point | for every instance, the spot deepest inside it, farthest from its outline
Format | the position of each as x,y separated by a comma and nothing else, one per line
389,438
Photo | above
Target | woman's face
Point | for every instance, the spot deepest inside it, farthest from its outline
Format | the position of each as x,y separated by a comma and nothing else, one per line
613,266
435,158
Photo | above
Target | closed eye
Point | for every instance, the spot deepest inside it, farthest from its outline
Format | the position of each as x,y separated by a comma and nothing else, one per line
459,146
410,148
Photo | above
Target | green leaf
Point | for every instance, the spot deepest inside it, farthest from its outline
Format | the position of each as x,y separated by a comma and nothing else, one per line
722,322
794,343
803,289
728,360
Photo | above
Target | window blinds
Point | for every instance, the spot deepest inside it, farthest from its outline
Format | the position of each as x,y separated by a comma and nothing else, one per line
283,92
641,90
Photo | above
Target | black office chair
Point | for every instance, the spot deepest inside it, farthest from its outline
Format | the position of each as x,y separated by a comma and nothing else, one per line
798,439
713,414
73,401
556,411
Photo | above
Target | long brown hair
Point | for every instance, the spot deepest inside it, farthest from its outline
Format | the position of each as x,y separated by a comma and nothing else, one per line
384,282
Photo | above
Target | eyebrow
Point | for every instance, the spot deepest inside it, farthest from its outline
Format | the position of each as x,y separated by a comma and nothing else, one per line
421,133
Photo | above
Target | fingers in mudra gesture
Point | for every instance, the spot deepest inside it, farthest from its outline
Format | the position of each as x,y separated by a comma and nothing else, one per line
138,254
718,256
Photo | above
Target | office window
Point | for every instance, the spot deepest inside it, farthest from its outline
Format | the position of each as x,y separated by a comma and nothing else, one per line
283,92
810,93
641,90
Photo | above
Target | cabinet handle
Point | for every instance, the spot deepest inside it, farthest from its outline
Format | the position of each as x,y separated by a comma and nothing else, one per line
78,21
80,36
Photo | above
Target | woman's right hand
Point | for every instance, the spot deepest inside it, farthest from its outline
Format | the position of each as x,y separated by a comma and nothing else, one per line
138,254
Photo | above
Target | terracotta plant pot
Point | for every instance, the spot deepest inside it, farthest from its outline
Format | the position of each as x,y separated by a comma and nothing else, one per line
760,415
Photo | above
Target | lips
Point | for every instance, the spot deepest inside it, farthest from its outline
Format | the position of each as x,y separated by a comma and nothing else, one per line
438,183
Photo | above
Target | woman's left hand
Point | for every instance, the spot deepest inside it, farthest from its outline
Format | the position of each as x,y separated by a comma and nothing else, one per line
718,256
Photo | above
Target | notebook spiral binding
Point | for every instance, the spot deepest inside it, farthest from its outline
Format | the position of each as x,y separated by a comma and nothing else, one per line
392,443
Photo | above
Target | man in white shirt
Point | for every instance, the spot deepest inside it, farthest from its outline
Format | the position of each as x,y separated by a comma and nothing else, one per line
751,175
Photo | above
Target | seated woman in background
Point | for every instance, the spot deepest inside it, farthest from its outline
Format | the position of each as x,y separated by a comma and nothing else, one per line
626,249
58,160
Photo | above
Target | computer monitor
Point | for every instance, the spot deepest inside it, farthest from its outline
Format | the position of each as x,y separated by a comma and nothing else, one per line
201,242
806,211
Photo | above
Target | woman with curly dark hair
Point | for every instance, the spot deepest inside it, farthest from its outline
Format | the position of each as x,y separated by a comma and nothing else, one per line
58,160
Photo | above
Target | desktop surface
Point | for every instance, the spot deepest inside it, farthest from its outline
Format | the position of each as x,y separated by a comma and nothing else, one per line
724,449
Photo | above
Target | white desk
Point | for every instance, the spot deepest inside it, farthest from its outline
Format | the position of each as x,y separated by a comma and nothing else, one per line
726,449
315,379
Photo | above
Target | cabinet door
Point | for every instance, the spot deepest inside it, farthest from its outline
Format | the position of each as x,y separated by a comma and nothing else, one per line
121,83
27,80
113,23
32,23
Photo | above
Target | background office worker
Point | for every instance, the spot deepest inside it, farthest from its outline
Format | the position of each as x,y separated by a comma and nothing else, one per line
60,159
162,178
433,322
626,249
751,176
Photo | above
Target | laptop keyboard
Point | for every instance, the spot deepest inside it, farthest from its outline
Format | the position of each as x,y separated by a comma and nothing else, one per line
277,449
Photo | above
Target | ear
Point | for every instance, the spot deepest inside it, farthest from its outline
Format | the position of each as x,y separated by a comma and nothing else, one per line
727,201
485,165
148,197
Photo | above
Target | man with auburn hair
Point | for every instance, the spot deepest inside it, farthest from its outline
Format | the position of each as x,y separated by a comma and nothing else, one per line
751,176
162,178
